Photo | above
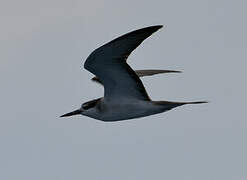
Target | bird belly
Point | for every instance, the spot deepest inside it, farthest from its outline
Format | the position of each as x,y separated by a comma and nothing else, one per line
124,111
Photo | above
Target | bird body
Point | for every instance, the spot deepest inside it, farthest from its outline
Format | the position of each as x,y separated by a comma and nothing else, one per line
124,94
127,109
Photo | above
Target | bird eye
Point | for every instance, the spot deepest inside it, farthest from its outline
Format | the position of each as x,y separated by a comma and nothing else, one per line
85,106
89,104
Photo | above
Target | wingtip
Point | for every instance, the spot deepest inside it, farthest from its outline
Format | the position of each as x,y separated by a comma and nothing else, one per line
198,102
158,26
154,27
172,71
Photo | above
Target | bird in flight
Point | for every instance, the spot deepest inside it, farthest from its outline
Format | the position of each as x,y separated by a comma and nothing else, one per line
124,94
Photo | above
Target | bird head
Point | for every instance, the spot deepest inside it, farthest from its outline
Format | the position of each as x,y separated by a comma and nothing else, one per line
85,108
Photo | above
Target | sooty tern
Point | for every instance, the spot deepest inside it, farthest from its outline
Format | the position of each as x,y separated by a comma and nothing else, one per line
124,94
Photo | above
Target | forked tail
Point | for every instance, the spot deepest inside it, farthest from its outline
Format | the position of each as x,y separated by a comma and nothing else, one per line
168,105
195,102
178,103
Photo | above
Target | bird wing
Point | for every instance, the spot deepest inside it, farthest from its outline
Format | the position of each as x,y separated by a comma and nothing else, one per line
108,63
150,72
142,73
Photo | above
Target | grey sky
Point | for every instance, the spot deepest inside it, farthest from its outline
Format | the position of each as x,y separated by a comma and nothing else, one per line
43,47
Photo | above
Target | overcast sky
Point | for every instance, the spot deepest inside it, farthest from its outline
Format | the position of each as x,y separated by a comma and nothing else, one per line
43,47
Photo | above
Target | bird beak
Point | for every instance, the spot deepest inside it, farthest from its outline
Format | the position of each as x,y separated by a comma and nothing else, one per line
76,112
